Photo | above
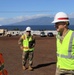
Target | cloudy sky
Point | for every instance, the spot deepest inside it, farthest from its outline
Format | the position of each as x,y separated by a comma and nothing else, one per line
12,11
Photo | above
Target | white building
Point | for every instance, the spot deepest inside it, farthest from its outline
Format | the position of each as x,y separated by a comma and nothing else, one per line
3,32
18,32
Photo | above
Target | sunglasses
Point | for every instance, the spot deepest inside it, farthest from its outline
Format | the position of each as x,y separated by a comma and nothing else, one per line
59,23
28,31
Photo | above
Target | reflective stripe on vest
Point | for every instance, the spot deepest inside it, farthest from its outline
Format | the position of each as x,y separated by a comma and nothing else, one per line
69,49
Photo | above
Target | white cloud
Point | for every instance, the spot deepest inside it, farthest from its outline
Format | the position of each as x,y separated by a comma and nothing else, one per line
5,21
71,15
1,19
39,15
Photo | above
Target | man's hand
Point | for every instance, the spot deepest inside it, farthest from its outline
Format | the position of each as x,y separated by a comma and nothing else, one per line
21,47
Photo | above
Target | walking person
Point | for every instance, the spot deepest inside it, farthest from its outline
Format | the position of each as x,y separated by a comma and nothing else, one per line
27,44
65,45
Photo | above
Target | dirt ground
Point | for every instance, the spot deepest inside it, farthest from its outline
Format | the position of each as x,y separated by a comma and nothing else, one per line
44,62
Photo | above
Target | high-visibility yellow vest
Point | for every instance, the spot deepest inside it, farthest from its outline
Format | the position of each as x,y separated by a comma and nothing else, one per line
65,52
26,43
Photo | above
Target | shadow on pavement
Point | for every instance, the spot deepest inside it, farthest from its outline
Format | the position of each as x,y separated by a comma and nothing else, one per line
44,65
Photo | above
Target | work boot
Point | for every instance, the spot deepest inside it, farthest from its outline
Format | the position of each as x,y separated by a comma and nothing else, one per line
24,68
30,68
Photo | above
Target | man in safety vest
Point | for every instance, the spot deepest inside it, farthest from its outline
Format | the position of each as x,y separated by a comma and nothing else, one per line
3,71
27,44
65,45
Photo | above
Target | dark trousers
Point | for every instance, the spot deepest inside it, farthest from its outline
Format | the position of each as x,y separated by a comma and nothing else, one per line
27,55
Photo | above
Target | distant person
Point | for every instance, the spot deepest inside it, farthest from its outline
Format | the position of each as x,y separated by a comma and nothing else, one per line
65,45
27,44
3,71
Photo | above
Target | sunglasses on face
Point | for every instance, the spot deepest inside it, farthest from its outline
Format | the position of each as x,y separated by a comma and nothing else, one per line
28,31
59,23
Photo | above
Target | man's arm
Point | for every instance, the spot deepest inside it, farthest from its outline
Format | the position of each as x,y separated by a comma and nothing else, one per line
20,41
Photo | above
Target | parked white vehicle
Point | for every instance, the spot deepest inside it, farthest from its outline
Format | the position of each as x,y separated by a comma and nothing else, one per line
12,33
